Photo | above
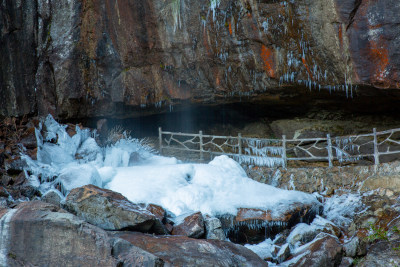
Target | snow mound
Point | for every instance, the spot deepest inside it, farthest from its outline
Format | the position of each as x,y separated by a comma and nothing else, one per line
217,188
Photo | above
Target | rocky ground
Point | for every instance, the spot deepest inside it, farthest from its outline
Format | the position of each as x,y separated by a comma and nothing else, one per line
99,227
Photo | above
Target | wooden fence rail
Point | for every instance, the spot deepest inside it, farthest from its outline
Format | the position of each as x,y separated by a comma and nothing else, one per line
278,152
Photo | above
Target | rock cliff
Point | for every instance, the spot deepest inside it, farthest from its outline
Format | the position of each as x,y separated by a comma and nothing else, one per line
84,58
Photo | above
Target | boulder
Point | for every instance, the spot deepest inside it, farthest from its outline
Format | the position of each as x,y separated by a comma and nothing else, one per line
356,246
382,253
40,234
130,255
156,210
214,228
3,192
185,251
283,253
29,191
53,197
346,262
14,165
6,180
109,210
254,225
325,250
191,226
303,233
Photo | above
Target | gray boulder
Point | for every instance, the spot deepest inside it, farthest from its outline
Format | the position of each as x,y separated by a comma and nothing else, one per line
110,210
40,234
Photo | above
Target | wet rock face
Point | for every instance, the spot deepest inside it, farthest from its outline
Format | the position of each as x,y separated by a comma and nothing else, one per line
96,58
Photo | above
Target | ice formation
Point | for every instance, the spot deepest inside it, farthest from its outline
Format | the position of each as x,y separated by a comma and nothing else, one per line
341,209
65,162
129,167
4,236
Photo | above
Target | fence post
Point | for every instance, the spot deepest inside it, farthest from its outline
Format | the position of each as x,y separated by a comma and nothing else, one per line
284,159
240,143
376,152
330,154
201,144
160,139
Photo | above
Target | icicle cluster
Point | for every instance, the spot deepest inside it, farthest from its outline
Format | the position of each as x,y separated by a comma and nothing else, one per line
256,225
261,153
345,150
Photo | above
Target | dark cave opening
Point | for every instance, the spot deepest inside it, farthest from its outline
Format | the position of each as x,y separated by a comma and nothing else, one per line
369,108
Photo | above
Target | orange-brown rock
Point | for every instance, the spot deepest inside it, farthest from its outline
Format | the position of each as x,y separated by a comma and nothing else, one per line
156,210
191,226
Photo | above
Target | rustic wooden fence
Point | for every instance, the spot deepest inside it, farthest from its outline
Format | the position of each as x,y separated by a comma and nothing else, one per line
361,148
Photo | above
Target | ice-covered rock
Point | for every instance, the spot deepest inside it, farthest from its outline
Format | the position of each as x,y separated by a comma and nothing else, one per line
325,250
283,253
74,176
89,151
264,249
304,233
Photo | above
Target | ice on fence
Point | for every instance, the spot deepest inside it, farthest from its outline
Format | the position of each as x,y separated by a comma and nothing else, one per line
270,162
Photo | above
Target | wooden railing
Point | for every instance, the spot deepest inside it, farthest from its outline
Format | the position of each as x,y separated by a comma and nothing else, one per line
361,148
